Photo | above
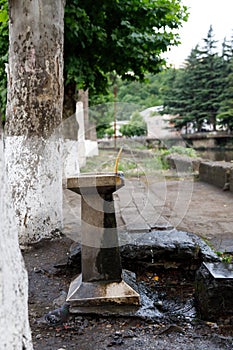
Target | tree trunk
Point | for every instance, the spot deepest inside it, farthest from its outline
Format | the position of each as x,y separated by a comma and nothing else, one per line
83,97
14,325
69,104
34,113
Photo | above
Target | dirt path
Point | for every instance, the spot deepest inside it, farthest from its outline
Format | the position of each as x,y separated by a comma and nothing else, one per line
200,208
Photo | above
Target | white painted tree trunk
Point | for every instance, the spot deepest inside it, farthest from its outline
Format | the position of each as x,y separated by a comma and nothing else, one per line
83,96
81,134
14,326
34,114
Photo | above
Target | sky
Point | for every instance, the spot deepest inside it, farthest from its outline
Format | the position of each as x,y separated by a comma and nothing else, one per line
203,13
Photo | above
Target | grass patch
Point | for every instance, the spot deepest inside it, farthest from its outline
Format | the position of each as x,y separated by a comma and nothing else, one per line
131,164
184,151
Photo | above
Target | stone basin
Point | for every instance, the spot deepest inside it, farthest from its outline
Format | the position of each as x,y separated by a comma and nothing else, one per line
101,182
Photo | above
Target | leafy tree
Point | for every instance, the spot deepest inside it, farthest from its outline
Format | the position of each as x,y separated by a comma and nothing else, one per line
136,127
110,132
121,37
102,115
126,37
146,94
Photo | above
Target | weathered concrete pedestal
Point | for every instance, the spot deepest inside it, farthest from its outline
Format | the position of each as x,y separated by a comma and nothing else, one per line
101,282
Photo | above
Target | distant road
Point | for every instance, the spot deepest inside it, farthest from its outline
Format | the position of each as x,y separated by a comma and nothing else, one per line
158,126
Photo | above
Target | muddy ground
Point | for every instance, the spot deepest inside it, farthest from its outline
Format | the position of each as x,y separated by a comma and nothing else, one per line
178,328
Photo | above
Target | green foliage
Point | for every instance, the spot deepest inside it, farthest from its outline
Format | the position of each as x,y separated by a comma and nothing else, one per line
184,151
178,98
102,129
3,12
225,112
136,127
195,95
121,37
124,38
3,55
210,72
130,165
103,115
109,132
147,93
227,258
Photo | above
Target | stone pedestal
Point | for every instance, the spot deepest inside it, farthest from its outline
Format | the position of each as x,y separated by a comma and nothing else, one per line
101,280
214,290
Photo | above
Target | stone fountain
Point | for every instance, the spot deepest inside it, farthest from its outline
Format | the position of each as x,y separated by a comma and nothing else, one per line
101,282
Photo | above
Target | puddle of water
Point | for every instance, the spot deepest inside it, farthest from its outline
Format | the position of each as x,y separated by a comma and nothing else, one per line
159,300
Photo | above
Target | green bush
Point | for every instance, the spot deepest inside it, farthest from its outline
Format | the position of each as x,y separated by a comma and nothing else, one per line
136,127
189,152
184,151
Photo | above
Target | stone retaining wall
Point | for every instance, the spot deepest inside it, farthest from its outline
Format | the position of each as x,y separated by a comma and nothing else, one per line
231,181
219,174
183,163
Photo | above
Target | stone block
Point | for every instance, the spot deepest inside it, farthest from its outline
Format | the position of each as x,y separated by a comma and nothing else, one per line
183,163
214,290
167,246
231,180
215,173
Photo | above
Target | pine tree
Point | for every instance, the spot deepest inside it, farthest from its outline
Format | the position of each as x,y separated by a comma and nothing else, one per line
210,71
175,102
181,99
195,94
225,113
193,86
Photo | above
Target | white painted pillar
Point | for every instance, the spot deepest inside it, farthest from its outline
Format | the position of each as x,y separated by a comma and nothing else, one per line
81,134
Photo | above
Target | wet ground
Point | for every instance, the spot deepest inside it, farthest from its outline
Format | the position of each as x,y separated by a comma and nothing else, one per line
186,204
177,327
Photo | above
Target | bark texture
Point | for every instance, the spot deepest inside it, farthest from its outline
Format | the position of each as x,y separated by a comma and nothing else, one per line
34,115
14,326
